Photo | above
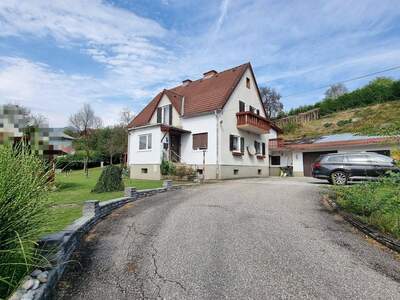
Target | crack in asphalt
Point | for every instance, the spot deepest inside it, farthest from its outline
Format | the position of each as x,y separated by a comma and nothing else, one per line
133,228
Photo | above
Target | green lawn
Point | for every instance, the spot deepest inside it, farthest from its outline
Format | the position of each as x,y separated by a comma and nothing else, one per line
74,189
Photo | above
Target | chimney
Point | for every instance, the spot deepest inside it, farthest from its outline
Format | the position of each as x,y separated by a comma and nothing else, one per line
186,82
209,74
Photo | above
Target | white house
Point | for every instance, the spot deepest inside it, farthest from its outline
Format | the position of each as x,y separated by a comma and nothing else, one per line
300,154
217,123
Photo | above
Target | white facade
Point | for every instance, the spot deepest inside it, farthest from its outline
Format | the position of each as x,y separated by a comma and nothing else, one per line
219,161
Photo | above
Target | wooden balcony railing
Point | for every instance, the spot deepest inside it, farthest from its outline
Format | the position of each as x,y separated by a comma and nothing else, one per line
276,143
252,122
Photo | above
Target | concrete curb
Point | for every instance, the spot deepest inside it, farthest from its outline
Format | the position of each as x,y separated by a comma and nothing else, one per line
58,247
380,237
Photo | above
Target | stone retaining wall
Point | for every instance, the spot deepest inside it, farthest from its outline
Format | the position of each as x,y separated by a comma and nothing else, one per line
58,247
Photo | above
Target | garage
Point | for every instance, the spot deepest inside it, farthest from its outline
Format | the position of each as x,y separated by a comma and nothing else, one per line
309,158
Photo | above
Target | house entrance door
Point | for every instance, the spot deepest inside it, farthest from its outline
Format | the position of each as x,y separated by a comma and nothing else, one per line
175,147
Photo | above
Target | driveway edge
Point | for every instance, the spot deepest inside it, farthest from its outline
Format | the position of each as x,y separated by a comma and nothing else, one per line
58,247
380,237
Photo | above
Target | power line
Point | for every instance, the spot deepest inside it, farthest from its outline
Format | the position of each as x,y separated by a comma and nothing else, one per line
344,81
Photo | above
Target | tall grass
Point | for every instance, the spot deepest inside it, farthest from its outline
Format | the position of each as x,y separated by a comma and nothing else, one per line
376,203
23,203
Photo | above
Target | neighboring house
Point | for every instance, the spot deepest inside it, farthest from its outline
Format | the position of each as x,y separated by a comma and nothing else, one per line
302,153
16,125
217,122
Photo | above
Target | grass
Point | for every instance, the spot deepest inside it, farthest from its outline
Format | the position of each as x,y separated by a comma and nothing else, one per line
74,189
380,119
375,203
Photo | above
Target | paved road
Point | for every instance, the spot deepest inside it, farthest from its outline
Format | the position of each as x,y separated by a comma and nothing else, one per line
241,239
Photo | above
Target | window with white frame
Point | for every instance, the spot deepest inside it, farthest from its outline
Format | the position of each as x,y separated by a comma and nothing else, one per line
236,143
257,146
164,114
145,142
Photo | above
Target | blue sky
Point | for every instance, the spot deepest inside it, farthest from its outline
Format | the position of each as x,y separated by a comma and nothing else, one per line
57,55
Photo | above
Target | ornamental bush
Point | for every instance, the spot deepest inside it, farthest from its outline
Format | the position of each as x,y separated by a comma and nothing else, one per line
110,180
24,188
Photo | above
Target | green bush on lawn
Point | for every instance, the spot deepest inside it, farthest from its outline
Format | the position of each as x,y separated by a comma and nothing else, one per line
376,203
23,203
110,180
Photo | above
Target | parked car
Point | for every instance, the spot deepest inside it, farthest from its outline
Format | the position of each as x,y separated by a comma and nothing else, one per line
339,168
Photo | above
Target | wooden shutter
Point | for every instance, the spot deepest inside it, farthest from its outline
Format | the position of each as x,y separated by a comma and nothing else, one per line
231,137
170,114
159,113
242,145
242,106
200,141
263,148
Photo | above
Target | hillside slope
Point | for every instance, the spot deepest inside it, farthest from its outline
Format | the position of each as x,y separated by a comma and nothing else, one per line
380,119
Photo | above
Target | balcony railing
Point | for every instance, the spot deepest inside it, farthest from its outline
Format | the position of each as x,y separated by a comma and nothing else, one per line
276,143
252,122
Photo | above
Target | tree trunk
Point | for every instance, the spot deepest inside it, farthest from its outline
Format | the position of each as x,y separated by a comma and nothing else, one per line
85,165
111,159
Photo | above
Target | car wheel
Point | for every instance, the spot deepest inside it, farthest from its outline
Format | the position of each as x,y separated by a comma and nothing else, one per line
339,178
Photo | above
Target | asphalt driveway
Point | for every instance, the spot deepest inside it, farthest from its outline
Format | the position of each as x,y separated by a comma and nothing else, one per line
241,239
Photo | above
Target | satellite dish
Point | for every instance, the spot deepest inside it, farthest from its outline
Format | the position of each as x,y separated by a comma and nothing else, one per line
251,150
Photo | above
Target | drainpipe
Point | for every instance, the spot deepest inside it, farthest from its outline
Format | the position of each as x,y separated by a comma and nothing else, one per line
217,171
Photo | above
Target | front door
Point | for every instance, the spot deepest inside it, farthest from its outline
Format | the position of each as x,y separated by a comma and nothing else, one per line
175,147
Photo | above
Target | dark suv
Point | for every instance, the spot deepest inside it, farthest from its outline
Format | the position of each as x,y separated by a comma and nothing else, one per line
339,168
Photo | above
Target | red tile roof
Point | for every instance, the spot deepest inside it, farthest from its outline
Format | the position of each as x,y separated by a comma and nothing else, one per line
200,96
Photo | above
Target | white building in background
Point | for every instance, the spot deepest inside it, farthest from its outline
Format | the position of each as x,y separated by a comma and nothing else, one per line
217,122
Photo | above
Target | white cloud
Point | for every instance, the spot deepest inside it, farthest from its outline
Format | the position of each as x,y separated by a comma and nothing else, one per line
54,94
294,46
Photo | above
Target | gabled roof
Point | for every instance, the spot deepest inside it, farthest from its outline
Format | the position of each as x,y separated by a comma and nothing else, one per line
200,96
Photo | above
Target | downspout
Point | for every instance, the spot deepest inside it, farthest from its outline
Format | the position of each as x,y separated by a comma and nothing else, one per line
217,171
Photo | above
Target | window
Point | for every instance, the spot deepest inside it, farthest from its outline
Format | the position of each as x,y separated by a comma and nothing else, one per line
248,82
275,160
335,159
257,147
252,109
258,112
242,106
360,159
164,114
145,141
200,141
263,148
236,144
235,172
144,170
259,172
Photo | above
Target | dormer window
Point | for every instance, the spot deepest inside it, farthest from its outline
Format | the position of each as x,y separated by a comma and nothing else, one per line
248,82
164,114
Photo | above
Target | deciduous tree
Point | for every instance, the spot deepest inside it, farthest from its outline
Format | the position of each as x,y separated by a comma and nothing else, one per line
271,101
85,122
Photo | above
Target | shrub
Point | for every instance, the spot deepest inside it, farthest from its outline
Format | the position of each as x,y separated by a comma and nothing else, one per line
110,180
343,122
23,202
290,127
327,125
377,203
75,161
167,168
182,171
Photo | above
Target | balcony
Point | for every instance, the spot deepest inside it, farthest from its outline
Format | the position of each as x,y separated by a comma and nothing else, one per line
252,122
276,143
